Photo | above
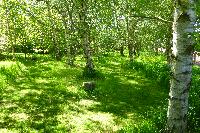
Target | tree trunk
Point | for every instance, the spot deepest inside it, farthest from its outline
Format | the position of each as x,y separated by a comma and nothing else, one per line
184,18
89,63
85,32
130,51
71,55
8,30
72,50
122,50
130,45
52,33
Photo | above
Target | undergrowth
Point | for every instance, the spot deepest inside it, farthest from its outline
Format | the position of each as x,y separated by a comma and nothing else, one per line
154,67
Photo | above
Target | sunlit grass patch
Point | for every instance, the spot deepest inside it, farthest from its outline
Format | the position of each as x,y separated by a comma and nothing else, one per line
7,63
47,96
40,81
19,116
24,92
90,122
87,102
4,130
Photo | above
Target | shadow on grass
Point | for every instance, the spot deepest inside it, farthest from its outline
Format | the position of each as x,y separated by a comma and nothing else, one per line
46,90
125,92
35,98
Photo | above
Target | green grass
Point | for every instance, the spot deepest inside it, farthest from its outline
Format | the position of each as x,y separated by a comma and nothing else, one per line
47,96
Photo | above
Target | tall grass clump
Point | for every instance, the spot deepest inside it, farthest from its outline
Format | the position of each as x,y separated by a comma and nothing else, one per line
10,71
154,67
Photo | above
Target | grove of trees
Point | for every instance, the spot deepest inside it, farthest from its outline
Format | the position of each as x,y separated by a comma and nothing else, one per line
67,29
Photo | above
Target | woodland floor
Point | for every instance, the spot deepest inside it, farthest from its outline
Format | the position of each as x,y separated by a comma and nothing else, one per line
46,96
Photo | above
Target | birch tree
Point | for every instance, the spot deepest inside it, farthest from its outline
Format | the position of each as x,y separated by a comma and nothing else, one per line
181,66
84,33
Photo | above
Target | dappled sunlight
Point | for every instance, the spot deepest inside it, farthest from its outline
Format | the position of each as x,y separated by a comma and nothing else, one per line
114,63
49,95
19,116
132,82
7,63
7,105
83,122
24,92
88,103
4,130
25,86
41,81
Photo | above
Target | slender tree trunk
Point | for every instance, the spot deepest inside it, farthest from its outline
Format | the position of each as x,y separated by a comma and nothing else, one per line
89,62
89,68
130,51
52,33
184,18
72,52
68,35
130,45
122,50
8,29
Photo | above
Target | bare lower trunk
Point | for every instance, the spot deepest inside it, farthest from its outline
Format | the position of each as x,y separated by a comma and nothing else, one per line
181,68
130,52
122,50
71,55
89,63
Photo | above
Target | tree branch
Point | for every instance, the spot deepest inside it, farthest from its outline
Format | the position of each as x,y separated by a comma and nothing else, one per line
152,18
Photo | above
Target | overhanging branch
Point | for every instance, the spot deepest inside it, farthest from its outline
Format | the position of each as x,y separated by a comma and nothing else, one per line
152,18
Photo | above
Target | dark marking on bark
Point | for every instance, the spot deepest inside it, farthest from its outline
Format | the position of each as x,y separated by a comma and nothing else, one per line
185,118
176,79
175,98
171,73
188,88
175,58
189,50
184,17
186,72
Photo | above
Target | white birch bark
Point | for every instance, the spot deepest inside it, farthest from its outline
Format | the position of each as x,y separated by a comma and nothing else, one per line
184,18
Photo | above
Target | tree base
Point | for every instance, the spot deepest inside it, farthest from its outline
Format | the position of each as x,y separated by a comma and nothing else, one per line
89,73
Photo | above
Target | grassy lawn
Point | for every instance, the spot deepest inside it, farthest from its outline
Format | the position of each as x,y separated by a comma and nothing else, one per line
47,96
